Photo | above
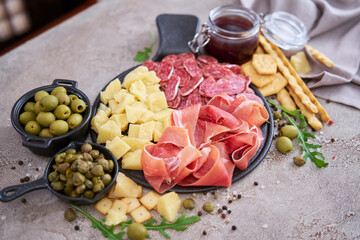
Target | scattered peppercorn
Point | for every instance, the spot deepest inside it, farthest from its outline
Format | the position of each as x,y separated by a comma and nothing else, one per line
22,180
328,100
239,196
212,193
204,232
204,193
20,162
330,122
223,215
23,200
229,211
230,201
333,157
227,220
37,169
13,168
76,227
216,196
199,213
233,227
332,140
219,210
224,207
26,179
256,183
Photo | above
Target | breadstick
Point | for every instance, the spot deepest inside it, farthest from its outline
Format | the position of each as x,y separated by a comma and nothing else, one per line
285,100
320,56
286,72
313,121
321,111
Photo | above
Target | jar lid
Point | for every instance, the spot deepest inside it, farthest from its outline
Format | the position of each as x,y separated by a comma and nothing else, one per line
285,30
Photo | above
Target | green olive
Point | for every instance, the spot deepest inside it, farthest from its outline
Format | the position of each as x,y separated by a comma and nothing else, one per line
39,95
26,117
189,203
45,132
29,107
208,207
69,215
78,106
59,127
57,90
299,161
33,127
136,231
278,115
99,186
48,103
284,144
289,131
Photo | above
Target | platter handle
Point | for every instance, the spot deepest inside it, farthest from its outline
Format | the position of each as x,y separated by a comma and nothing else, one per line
175,31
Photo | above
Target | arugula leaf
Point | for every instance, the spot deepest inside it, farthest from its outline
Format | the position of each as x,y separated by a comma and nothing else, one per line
142,56
107,232
316,157
178,225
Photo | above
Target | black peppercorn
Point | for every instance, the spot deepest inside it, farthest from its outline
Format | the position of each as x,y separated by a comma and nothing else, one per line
233,227
256,183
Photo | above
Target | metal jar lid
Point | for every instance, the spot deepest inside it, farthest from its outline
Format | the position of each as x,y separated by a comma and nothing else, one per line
285,30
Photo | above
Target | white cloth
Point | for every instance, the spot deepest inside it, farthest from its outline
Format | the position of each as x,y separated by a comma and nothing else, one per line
334,29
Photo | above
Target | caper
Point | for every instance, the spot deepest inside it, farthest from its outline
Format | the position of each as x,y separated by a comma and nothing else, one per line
70,151
278,115
106,179
299,161
87,157
136,231
68,190
69,183
70,158
74,165
99,186
89,175
74,194
83,167
62,178
54,167
208,207
284,144
97,170
104,163
60,158
63,167
78,179
88,183
53,177
189,203
89,194
80,189
94,153
111,165
69,173
289,131
69,215
57,186
86,147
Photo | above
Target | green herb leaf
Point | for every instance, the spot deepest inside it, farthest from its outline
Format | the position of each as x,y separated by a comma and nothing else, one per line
107,232
178,225
316,157
142,56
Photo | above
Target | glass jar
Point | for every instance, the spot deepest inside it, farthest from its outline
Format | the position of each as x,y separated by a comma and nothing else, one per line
231,34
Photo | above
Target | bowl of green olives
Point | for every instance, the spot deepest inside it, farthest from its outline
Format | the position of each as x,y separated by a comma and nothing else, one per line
81,173
51,116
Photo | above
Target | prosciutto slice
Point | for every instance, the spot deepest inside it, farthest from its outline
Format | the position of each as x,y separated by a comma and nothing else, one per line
196,149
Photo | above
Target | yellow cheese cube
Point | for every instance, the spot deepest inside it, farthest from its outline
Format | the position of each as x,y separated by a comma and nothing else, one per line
120,120
123,99
167,122
104,108
133,130
146,130
98,120
125,187
133,76
161,115
152,88
146,117
117,147
140,215
113,87
138,89
108,132
158,130
133,203
132,160
135,143
133,114
157,101
149,78
150,200
168,205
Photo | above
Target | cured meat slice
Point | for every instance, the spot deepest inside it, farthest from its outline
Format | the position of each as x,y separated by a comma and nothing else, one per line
182,104
152,66
218,116
237,84
165,71
174,104
170,58
207,59
192,68
193,98
172,88
222,101
183,75
207,83
186,55
234,68
216,71
194,83
220,86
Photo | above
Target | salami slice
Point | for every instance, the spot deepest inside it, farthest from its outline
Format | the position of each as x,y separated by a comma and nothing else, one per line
175,103
234,68
207,59
221,86
216,71
165,71
152,66
194,83
193,98
183,75
186,55
191,67
182,104
237,85
206,84
170,58
172,87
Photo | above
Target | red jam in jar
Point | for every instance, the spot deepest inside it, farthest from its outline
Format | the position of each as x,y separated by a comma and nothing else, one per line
233,33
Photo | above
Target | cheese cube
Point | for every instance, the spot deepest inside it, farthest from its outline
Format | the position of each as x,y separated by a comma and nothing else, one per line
140,215
108,132
161,115
133,130
149,78
125,187
152,88
157,101
146,117
138,89
133,114
120,120
113,87
135,143
168,205
167,122
123,99
104,108
158,130
146,130
132,160
98,120
117,147
134,75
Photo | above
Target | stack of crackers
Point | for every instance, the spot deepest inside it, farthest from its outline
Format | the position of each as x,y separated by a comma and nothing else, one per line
272,73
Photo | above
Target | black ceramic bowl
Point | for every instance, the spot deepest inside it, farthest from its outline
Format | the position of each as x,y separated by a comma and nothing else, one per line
49,146
12,192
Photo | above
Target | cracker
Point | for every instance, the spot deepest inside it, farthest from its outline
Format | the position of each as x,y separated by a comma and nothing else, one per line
285,100
257,79
259,49
275,86
264,63
320,56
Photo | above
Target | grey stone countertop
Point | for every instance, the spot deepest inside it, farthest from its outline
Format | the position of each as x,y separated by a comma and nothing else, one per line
93,47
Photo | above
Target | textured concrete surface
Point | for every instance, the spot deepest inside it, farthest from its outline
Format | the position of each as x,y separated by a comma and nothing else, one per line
288,203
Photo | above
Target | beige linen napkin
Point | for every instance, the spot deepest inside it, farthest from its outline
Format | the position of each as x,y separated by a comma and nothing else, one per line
334,29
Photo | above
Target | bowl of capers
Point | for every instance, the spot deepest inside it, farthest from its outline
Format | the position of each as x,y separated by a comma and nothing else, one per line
81,173
51,116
